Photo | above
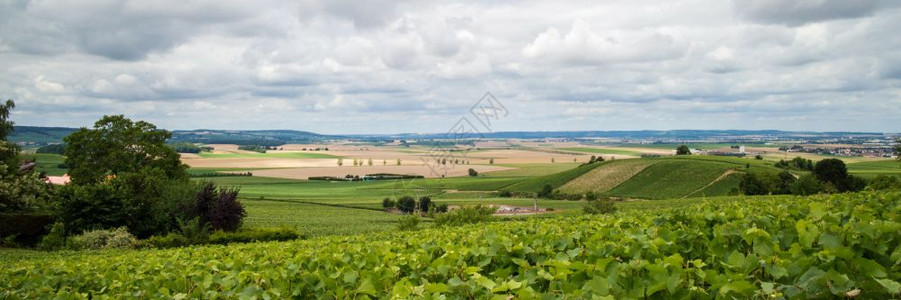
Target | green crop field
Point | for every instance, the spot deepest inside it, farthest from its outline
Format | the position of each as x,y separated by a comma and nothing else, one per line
874,168
529,170
604,151
267,155
671,179
555,180
49,163
607,176
736,248
723,186
317,220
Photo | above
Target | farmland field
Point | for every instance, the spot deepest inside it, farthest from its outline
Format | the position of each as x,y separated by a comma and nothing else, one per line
619,151
710,248
49,163
874,168
671,179
607,176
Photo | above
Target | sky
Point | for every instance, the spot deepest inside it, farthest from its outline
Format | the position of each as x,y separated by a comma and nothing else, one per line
389,66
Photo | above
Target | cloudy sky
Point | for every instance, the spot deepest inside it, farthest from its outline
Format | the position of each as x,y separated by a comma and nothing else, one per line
385,66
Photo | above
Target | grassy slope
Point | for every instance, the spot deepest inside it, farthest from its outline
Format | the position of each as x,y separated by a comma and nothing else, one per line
874,168
607,176
555,180
670,179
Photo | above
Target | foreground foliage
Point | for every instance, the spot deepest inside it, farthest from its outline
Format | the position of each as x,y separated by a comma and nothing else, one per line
822,246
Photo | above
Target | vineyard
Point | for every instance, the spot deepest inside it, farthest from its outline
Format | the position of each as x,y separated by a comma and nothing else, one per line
765,247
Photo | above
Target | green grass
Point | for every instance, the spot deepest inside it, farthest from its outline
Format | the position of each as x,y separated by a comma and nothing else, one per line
529,170
268,155
604,151
607,176
316,220
874,168
671,179
724,186
535,184
49,163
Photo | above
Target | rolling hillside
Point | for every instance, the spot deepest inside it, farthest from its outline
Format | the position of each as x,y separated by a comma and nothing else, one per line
661,178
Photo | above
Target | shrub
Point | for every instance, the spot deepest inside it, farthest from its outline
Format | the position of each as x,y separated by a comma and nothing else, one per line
118,238
505,194
406,204
54,240
591,196
884,182
546,191
255,235
169,240
194,231
424,203
408,223
466,215
473,172
441,208
600,206
218,207
388,204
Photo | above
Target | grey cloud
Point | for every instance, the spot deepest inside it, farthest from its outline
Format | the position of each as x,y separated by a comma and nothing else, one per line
799,12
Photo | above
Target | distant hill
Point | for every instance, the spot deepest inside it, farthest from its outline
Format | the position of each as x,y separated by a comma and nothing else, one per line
47,135
40,135
248,137
53,135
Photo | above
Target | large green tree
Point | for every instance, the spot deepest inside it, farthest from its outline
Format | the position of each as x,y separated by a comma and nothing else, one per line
18,190
117,145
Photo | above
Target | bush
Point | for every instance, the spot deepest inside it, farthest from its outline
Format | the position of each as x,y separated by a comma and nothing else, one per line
170,240
600,206
441,208
218,207
505,194
406,204
465,215
194,231
408,223
118,238
424,203
54,240
255,235
591,196
546,191
173,240
473,172
884,182
388,204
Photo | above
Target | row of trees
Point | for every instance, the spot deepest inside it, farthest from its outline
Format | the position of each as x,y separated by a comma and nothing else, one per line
369,162
408,205
828,175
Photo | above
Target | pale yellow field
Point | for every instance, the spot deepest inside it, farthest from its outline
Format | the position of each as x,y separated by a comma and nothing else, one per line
304,173
606,177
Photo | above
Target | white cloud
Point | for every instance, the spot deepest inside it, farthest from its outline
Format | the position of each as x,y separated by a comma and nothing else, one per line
346,66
